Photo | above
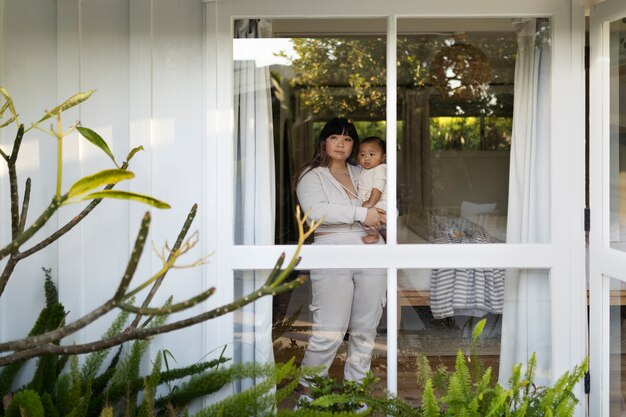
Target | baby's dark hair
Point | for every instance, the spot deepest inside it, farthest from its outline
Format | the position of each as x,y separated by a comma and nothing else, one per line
376,139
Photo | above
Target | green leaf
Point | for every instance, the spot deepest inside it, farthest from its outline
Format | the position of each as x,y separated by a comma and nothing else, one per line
125,195
97,140
478,329
67,104
109,176
9,101
8,122
133,152
429,401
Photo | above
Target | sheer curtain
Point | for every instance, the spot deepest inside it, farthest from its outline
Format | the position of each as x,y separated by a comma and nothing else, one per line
526,317
254,194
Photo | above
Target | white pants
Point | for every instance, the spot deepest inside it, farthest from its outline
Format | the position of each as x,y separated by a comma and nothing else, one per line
345,299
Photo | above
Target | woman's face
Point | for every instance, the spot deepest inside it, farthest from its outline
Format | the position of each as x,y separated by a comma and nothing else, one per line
339,147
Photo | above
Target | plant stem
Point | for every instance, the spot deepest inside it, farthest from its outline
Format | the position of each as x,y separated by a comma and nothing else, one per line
61,332
177,245
68,226
59,136
34,228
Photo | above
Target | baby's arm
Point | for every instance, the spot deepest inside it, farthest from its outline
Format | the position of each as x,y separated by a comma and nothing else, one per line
379,184
374,198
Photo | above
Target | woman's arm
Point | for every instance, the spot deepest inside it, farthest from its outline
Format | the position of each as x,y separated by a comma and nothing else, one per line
318,197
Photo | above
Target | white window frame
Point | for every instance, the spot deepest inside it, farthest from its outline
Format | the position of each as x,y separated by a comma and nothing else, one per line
563,256
604,262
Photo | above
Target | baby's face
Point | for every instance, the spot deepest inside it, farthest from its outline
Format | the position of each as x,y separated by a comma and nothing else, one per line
370,155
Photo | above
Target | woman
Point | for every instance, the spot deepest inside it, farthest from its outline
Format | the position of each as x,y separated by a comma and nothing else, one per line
343,299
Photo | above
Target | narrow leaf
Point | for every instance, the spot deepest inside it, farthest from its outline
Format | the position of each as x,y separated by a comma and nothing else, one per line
125,195
133,152
9,101
4,108
97,140
478,329
109,176
8,122
67,104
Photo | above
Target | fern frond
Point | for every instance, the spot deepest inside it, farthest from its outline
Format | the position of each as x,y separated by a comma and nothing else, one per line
255,401
179,373
146,409
26,403
94,361
424,370
463,374
499,403
430,406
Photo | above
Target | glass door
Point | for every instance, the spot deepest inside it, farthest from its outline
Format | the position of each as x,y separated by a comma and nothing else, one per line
472,191
607,280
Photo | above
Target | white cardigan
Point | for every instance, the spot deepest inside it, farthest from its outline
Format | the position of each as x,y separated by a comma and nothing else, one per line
324,197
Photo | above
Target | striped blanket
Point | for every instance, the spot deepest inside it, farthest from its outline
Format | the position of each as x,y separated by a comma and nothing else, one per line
464,291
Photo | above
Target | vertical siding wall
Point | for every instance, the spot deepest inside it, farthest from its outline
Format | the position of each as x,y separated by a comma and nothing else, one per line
146,59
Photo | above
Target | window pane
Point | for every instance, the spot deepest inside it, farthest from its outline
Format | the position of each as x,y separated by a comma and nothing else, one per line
617,335
292,76
438,309
617,131
337,311
456,82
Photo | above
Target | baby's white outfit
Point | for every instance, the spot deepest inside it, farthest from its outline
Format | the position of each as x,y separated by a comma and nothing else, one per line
373,178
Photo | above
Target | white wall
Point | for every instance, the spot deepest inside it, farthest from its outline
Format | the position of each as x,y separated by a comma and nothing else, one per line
146,59
476,176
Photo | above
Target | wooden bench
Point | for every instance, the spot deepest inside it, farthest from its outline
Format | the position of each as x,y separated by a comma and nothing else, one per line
414,298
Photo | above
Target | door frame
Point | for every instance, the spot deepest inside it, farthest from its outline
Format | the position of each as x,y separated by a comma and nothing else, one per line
563,256
604,262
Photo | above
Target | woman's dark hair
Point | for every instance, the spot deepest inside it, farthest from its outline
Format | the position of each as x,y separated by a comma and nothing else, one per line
336,126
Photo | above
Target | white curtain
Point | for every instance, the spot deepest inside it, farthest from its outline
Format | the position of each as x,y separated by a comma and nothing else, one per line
255,195
526,316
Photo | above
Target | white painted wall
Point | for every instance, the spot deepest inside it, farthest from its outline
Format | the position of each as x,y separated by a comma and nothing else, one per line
151,62
146,59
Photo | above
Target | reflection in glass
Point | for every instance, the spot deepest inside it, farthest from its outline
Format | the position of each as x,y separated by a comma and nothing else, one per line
617,132
291,76
455,102
617,349
289,331
437,311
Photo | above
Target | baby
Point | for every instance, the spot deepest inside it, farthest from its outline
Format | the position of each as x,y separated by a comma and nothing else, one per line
373,178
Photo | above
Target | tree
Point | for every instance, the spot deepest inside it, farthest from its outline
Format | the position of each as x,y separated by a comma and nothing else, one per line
95,188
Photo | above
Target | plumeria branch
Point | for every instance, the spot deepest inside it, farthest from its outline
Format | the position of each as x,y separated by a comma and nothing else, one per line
44,344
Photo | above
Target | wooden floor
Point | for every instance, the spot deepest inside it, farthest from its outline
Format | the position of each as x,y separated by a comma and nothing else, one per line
418,332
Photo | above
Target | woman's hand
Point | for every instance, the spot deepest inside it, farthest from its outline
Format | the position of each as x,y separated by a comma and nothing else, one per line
375,217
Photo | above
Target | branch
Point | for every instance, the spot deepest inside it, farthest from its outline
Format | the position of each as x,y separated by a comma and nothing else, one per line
15,213
177,245
25,204
34,228
120,295
174,308
7,271
43,344
4,156
69,226
142,333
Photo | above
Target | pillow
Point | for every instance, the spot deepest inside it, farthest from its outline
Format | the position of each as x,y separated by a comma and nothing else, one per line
471,210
